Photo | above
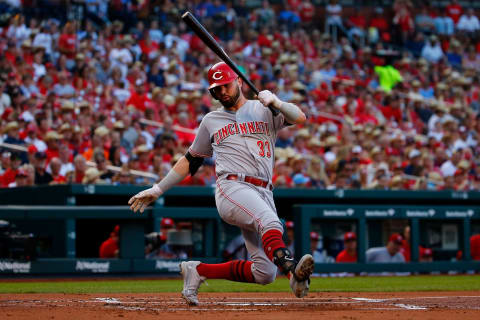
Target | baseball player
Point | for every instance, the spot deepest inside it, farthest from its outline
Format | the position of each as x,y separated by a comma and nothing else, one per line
242,135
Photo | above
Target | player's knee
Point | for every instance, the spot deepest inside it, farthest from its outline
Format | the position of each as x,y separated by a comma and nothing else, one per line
265,277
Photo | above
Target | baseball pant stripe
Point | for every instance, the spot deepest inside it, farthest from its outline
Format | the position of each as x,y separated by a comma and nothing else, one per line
241,207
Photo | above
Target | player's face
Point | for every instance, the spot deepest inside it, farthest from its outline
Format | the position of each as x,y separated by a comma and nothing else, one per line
351,244
228,94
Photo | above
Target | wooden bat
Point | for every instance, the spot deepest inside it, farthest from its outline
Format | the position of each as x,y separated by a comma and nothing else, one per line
207,38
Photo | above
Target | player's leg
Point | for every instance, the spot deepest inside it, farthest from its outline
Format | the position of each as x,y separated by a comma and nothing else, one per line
253,209
243,206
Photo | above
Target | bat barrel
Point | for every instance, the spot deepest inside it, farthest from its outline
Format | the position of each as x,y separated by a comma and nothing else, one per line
205,36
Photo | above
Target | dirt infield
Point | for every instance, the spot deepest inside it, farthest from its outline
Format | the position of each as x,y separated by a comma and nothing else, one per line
223,306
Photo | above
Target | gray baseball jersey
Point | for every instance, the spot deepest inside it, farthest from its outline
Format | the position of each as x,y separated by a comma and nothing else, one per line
243,143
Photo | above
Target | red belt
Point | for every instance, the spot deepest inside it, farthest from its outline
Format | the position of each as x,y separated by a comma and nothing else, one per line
255,181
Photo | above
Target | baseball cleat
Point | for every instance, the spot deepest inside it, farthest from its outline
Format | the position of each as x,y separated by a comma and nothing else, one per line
299,288
191,281
300,279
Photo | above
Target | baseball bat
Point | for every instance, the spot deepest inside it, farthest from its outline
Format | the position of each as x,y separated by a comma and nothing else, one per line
210,42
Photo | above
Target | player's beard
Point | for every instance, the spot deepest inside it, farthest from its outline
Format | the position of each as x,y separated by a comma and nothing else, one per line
232,100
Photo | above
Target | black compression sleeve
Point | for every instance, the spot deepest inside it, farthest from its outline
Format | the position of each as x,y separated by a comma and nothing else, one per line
194,163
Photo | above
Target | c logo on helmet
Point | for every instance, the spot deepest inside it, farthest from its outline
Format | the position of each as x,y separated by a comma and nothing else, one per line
215,77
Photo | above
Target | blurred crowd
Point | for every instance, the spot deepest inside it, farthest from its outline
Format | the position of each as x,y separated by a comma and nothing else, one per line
113,95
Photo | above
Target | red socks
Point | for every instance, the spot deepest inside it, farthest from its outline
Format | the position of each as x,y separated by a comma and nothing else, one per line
241,270
272,240
237,270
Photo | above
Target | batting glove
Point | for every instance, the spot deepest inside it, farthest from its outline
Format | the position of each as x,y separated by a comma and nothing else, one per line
268,98
142,199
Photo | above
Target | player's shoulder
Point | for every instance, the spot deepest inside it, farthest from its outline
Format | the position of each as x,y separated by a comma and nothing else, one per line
215,115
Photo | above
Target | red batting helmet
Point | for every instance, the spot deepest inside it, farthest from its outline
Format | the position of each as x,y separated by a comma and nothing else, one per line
220,74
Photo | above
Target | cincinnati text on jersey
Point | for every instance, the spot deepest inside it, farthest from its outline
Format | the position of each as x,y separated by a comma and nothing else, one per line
252,127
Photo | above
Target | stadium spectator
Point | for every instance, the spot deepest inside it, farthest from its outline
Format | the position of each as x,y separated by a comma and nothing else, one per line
444,24
316,247
454,10
290,226
475,247
426,255
109,248
403,20
469,23
357,94
349,253
41,175
20,179
389,253
406,250
80,166
55,166
424,22
432,50
178,246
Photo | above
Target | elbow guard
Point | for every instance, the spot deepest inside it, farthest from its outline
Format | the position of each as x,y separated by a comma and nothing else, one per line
193,163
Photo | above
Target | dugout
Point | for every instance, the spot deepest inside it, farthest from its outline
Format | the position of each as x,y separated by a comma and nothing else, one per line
72,220
445,229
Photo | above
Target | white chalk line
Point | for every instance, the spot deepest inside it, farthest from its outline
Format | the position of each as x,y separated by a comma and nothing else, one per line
400,305
409,306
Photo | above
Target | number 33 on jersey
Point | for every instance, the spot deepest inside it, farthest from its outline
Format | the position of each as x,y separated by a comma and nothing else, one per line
243,141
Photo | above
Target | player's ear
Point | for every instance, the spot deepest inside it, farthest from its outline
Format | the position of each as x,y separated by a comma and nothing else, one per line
240,82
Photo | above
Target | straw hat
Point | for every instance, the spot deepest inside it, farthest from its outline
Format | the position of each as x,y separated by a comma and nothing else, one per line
65,127
118,125
435,176
52,135
141,149
156,91
375,151
331,141
464,164
314,142
303,133
11,125
91,175
297,85
101,131
396,180
168,99
67,105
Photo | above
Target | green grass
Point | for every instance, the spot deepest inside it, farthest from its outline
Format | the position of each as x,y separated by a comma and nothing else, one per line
370,284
